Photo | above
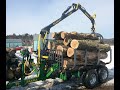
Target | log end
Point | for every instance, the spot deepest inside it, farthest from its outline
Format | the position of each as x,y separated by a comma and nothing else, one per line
70,52
74,44
63,34
53,35
65,64
66,42
59,47
49,45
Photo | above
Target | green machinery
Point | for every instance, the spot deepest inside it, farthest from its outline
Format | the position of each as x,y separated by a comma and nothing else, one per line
50,65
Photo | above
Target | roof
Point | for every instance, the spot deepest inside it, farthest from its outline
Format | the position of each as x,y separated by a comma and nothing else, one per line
13,40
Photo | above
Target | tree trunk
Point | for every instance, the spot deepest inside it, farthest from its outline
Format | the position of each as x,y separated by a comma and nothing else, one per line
58,36
54,44
76,43
10,75
90,55
90,45
49,45
66,42
80,36
70,52
63,50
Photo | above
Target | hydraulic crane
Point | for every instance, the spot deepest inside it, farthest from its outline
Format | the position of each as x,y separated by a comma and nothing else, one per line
67,13
46,30
45,70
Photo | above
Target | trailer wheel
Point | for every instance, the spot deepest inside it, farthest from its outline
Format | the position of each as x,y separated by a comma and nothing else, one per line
91,79
103,74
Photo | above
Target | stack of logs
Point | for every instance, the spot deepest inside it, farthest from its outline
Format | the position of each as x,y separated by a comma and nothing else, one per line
13,65
68,42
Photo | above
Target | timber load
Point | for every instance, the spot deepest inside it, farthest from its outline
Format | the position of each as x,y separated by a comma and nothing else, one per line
13,65
73,35
74,43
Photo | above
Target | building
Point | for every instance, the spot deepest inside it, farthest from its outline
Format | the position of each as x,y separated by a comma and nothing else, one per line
12,43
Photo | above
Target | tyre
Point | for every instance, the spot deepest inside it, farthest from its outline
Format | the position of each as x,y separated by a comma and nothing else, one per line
103,74
91,79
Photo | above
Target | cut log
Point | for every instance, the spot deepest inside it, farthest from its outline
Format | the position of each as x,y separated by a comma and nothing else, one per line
49,45
74,44
53,34
69,62
66,42
58,36
90,45
73,32
13,70
63,35
65,63
10,75
70,52
90,55
54,44
80,36
104,47
77,44
63,49
58,42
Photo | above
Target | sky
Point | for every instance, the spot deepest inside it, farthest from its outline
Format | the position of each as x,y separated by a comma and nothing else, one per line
30,16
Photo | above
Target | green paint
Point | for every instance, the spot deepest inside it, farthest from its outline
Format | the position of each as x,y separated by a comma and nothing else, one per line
63,76
52,69
11,84
42,70
78,74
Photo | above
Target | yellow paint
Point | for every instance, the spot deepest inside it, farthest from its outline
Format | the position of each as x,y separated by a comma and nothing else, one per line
46,57
94,16
32,80
38,61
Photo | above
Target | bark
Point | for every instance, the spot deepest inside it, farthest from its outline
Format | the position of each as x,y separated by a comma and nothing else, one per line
63,50
90,55
80,36
90,45
10,75
58,36
66,42
76,43
13,70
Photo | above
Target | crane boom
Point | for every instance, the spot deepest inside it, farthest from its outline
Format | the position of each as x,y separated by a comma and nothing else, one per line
66,14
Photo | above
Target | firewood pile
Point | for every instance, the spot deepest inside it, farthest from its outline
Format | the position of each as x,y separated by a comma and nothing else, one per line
13,65
68,43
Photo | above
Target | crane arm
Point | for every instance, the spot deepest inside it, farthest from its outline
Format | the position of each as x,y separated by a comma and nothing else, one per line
66,14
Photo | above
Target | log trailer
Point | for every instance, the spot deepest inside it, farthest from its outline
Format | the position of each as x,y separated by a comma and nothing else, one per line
50,65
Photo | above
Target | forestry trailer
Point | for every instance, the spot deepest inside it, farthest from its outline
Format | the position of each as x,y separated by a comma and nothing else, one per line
50,62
